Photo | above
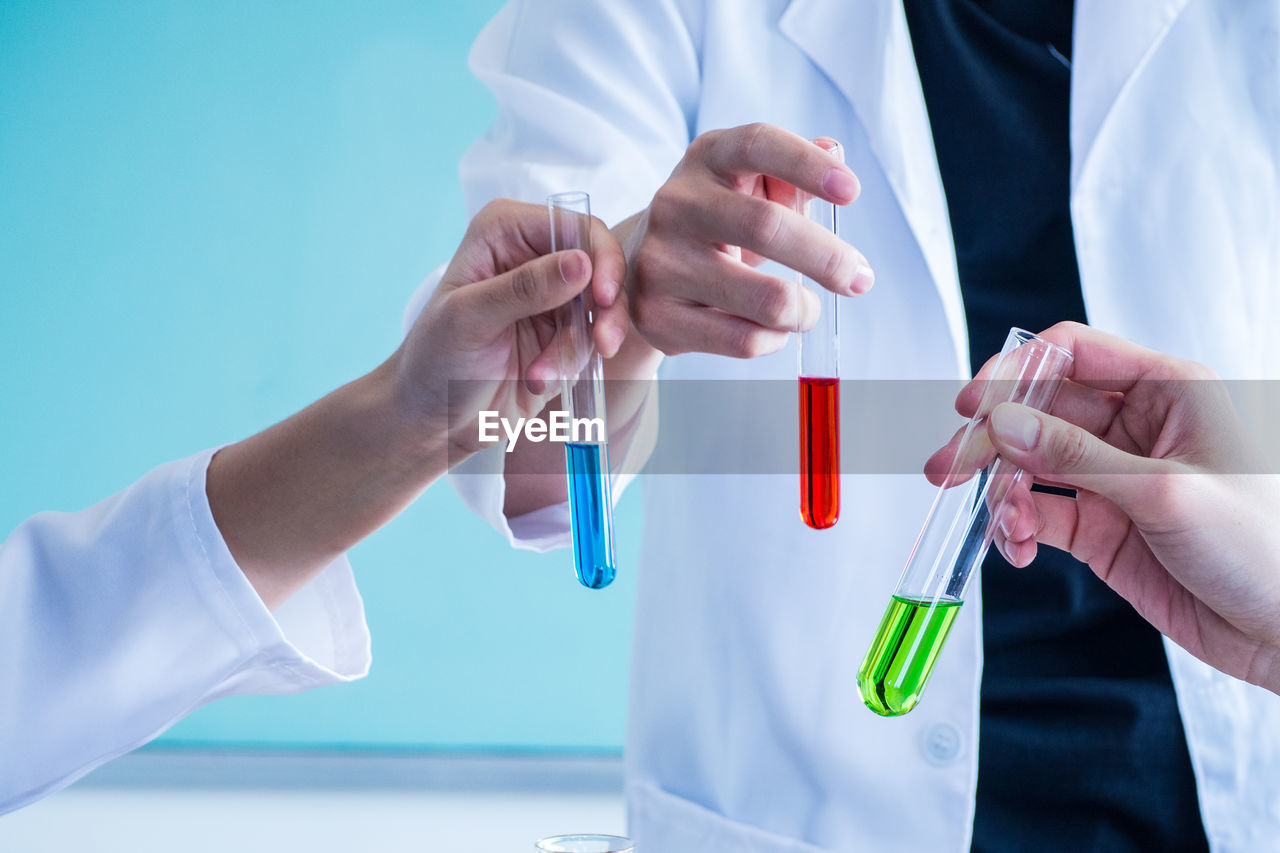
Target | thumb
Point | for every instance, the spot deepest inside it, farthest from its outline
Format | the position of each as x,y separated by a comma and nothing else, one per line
1053,449
533,287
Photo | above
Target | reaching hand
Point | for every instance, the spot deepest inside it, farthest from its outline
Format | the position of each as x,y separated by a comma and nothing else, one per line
488,327
1175,507
729,206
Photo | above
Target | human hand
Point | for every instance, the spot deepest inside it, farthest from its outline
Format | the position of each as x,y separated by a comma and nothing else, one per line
730,205
1174,509
489,328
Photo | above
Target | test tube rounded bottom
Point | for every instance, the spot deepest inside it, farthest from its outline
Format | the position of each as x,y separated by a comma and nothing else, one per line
819,451
590,513
906,647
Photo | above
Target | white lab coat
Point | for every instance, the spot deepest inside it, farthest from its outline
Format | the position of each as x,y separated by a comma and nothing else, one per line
117,621
746,731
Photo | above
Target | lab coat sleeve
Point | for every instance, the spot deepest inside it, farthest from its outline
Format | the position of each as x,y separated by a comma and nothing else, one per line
598,97
591,96
117,621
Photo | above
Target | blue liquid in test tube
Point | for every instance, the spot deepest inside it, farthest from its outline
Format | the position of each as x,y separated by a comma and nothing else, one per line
582,397
591,513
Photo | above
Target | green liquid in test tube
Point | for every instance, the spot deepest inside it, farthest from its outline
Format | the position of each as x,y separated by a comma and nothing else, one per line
957,533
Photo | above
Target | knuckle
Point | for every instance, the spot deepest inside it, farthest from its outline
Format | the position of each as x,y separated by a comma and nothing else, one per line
664,209
646,269
836,266
487,212
524,283
1196,371
450,311
645,310
749,138
649,319
773,303
703,144
641,314
1068,449
750,343
742,344
491,213
764,223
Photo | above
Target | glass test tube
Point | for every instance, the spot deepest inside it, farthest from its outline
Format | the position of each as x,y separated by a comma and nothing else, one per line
582,397
957,532
585,844
819,375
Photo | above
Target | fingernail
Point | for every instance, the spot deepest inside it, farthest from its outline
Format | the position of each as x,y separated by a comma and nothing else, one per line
572,267
839,184
863,278
1015,425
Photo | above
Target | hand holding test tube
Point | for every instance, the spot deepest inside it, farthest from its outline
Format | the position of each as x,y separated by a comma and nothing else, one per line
957,533
1176,497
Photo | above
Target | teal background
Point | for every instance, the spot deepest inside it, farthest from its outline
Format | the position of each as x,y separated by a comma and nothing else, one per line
212,214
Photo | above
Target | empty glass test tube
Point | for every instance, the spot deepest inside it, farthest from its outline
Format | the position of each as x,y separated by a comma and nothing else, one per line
582,397
957,532
819,375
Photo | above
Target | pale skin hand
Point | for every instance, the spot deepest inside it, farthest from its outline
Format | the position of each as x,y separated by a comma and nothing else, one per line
1174,508
291,499
692,283
730,205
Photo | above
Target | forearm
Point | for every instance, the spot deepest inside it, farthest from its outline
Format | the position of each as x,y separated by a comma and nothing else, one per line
291,499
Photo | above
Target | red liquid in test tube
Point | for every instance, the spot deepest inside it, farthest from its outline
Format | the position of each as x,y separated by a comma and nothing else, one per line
819,451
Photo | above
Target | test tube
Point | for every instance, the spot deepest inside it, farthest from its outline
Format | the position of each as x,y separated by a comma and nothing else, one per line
582,397
585,844
819,375
957,532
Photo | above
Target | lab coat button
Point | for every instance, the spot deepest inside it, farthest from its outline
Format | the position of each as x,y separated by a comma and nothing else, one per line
940,743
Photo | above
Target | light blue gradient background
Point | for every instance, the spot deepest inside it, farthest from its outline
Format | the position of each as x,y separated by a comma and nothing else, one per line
210,215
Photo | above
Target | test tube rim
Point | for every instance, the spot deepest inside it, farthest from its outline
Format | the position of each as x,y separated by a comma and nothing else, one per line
562,839
1026,337
569,199
1023,337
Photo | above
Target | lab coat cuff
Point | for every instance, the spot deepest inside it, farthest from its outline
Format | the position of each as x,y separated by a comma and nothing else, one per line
480,482
317,637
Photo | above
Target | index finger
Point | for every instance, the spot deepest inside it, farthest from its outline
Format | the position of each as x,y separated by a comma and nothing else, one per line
763,149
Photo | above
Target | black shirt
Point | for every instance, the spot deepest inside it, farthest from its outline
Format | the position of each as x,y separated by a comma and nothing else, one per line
1081,743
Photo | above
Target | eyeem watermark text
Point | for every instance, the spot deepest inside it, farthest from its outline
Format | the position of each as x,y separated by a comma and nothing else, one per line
560,427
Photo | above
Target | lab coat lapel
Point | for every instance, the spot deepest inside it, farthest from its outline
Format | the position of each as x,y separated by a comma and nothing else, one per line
1110,46
864,48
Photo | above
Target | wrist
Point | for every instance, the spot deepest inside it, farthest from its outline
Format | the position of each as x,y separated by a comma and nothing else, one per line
412,427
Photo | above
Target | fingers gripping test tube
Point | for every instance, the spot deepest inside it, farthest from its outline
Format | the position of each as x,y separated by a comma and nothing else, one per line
582,396
957,532
819,375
